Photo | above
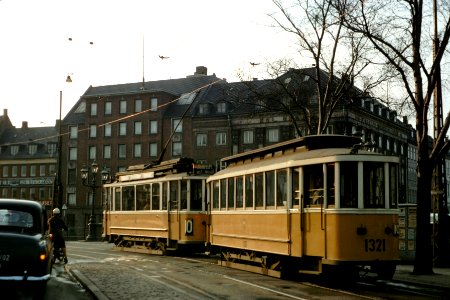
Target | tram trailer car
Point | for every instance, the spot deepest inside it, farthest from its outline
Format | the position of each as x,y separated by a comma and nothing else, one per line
158,208
317,205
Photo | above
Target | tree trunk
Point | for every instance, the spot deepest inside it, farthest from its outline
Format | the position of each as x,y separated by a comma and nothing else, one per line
423,263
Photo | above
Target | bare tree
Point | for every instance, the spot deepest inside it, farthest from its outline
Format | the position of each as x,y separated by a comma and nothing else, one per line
340,59
401,31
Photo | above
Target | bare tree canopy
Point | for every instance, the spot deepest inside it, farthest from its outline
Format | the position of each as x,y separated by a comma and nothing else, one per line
402,32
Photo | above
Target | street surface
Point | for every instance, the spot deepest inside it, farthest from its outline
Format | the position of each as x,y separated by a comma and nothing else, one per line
122,275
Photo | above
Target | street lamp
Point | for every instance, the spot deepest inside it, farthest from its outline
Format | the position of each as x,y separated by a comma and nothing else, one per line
89,179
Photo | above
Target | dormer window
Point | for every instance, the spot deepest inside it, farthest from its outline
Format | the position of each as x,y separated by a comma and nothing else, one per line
221,107
14,149
32,149
51,148
203,109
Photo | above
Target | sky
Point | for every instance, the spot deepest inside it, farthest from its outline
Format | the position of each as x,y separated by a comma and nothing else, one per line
107,42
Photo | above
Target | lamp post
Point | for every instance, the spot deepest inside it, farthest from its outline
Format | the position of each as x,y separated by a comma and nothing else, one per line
89,179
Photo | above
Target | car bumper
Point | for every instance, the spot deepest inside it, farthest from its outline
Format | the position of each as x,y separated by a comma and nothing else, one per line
25,278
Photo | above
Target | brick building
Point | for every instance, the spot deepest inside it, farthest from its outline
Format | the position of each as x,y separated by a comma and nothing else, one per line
28,160
202,117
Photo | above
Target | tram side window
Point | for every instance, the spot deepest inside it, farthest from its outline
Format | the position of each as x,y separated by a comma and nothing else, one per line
230,199
313,184
117,198
259,190
216,194
143,197
295,187
281,188
223,194
173,196
330,184
239,192
164,194
249,191
349,185
183,200
270,188
196,195
373,185
128,198
155,196
393,177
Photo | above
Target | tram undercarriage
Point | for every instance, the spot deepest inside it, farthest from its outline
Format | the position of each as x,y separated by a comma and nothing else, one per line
280,266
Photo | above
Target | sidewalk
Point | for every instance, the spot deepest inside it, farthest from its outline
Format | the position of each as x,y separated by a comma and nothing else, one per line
96,278
440,279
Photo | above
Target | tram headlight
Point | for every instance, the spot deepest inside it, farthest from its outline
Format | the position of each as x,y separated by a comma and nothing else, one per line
361,230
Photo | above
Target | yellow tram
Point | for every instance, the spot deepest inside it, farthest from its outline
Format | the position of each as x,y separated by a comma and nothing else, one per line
312,205
153,209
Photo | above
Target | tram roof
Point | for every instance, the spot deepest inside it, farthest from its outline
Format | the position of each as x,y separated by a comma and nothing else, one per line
310,142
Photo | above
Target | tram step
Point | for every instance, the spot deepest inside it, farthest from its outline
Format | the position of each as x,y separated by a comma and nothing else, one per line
310,272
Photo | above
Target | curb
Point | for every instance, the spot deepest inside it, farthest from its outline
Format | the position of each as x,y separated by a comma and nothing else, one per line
87,283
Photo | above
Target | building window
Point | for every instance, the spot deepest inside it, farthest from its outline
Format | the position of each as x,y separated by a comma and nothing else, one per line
123,128
51,148
153,127
108,108
221,107
202,139
154,104
203,109
153,149
93,109
73,132
248,137
221,138
107,130
92,131
137,151
5,171
14,171
51,169
177,125
123,106
32,149
92,152
137,105
42,170
71,199
23,171
72,153
138,128
72,176
106,151
122,151
33,170
272,135
176,148
14,149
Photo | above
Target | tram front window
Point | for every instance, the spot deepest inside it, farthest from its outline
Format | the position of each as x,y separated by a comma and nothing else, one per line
196,195
349,185
373,185
314,184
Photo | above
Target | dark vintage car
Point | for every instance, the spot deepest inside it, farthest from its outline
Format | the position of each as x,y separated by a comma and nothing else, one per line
25,247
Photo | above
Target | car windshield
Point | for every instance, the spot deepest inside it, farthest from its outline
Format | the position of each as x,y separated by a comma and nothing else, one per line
15,218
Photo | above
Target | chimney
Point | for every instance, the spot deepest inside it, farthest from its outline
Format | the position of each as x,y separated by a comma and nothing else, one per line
24,124
405,120
201,70
5,112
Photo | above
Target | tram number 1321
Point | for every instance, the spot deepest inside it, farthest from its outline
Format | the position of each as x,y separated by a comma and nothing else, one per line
375,245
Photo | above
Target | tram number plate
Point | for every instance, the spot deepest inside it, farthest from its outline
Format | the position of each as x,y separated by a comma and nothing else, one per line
375,245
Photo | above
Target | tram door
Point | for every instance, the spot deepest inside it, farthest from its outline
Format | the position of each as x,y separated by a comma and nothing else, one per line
314,198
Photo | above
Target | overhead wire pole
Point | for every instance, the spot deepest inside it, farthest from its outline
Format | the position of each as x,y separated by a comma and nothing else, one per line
440,255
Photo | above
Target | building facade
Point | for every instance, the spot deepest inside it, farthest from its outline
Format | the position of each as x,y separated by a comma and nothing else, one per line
28,161
200,117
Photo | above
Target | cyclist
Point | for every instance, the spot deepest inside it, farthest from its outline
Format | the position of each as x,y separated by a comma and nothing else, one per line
56,226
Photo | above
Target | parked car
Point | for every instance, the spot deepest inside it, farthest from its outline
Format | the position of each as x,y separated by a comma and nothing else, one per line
25,246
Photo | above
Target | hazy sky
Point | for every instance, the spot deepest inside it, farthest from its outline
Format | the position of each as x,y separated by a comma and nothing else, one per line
36,55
